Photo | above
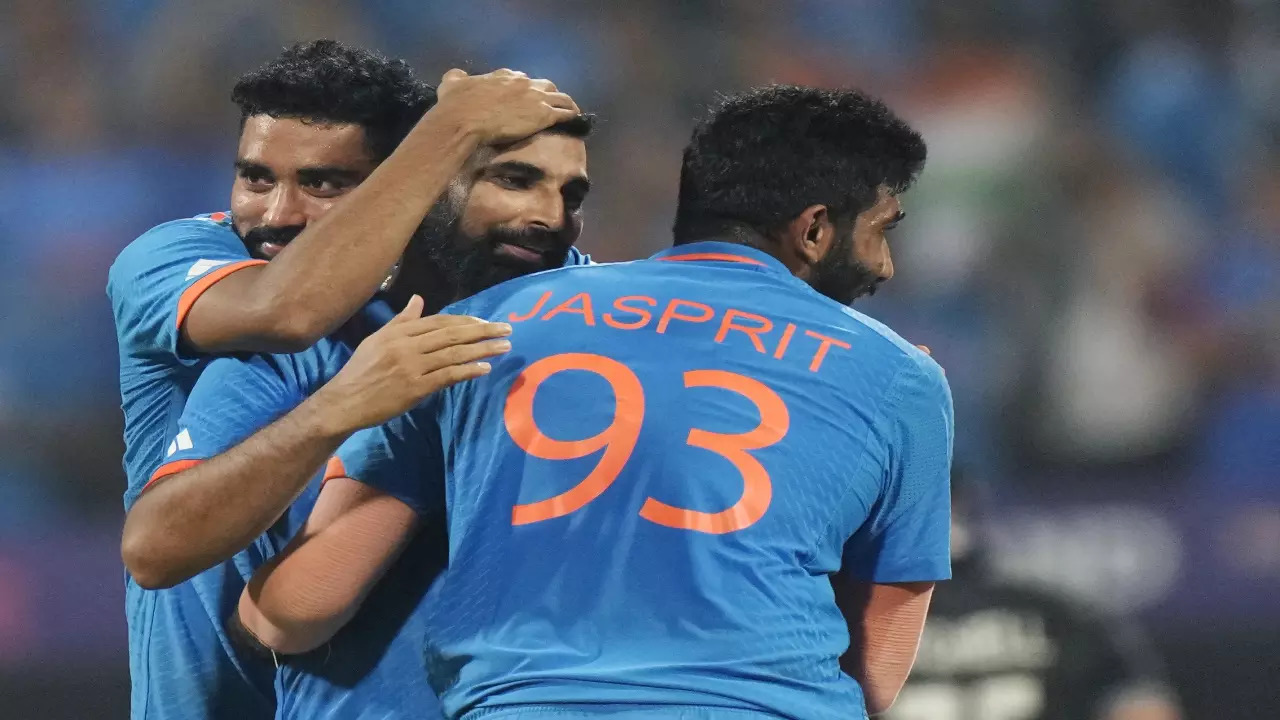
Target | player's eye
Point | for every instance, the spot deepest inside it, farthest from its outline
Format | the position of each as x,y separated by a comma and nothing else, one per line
326,188
574,196
513,181
256,180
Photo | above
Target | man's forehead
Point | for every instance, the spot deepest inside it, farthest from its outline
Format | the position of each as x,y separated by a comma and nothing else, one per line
553,153
294,141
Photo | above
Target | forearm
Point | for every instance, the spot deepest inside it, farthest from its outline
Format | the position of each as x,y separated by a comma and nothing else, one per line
191,521
306,594
334,266
885,624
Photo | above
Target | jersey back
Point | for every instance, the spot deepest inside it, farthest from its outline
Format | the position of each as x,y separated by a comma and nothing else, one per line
647,496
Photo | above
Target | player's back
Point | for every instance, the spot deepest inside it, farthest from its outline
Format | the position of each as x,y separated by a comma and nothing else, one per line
647,495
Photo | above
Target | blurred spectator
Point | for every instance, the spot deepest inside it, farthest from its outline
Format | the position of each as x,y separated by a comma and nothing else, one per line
995,649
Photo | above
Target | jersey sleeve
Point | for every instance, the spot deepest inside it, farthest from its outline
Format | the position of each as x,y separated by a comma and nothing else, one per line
907,536
156,279
403,458
234,398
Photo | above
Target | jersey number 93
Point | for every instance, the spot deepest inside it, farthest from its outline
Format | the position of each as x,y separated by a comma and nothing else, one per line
619,440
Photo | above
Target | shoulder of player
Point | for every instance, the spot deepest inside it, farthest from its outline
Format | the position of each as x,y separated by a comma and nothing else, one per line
168,243
874,339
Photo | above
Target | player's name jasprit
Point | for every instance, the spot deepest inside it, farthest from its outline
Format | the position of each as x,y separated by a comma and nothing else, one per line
637,312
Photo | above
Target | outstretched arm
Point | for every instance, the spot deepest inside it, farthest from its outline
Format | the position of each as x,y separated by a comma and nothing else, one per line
337,263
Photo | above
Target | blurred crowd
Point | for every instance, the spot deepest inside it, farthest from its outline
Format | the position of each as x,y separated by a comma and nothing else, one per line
1093,251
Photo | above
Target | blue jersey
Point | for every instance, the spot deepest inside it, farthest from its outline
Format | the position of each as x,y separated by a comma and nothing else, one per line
368,671
647,496
152,285
373,669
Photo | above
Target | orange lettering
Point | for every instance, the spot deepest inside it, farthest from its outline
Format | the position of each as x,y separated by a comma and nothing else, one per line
765,325
536,308
785,341
757,488
827,342
567,307
645,315
618,440
671,313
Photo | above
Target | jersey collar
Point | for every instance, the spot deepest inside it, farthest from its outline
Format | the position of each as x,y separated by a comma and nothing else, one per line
718,252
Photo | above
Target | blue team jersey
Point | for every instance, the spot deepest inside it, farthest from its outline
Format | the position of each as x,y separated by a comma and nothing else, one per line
368,671
177,666
647,496
373,669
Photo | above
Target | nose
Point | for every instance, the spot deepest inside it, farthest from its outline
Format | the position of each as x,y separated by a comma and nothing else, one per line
547,212
886,267
285,208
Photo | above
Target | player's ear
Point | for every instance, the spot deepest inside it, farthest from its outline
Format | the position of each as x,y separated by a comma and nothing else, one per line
810,235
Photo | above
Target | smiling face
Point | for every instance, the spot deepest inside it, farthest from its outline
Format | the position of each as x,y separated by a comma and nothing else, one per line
289,173
516,210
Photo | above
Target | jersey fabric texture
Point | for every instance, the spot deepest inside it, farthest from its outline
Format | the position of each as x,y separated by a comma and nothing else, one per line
646,497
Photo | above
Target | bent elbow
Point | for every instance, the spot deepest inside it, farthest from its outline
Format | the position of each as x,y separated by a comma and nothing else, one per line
146,569
294,331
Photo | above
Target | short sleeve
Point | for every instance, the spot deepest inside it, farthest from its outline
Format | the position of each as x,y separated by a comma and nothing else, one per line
907,536
234,398
156,279
403,458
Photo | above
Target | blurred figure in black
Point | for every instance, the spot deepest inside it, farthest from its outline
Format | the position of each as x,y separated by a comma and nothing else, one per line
994,649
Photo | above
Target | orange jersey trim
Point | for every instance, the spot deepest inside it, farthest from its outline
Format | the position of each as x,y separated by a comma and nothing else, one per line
721,257
334,469
198,288
171,468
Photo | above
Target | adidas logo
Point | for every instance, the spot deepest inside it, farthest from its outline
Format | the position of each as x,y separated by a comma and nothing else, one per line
203,266
182,442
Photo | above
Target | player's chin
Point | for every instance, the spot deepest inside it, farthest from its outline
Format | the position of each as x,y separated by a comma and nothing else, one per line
516,267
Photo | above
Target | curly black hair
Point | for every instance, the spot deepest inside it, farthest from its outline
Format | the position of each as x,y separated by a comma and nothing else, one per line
327,81
766,154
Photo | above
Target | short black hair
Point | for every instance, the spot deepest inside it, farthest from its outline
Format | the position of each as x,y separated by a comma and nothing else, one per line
579,126
326,81
766,154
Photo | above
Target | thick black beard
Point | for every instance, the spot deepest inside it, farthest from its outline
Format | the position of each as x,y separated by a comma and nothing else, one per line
842,278
444,265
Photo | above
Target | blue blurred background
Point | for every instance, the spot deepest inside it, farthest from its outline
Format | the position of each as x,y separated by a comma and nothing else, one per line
1093,253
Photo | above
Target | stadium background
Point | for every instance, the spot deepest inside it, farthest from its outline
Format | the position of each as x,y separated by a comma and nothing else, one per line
1093,253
